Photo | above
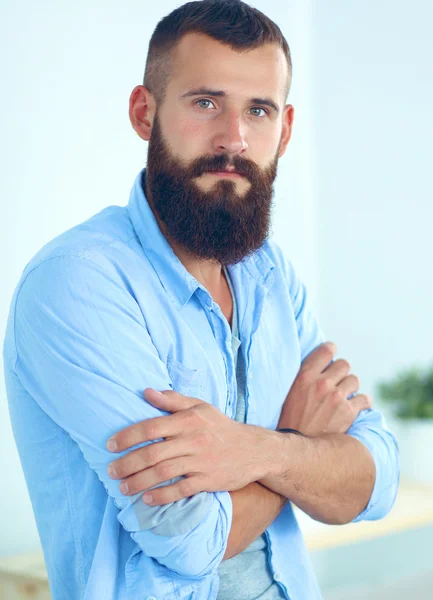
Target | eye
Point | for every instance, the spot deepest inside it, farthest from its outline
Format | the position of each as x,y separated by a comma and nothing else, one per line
259,108
203,100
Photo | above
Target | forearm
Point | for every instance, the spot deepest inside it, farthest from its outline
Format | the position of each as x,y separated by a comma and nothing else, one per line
254,508
330,477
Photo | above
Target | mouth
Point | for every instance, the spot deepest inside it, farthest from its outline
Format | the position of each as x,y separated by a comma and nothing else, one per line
224,173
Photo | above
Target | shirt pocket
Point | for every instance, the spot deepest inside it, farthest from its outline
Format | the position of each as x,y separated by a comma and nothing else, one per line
187,380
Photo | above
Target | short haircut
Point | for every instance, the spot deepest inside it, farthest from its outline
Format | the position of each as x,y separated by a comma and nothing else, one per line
231,22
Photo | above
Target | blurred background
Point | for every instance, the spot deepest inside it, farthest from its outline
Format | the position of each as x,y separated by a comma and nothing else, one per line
354,212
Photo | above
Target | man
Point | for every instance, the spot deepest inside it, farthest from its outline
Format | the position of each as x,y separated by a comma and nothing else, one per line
182,292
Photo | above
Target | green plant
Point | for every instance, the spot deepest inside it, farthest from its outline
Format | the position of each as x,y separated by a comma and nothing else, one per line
410,393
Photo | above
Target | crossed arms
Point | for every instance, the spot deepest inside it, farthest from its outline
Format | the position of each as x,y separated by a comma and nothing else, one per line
85,355
327,474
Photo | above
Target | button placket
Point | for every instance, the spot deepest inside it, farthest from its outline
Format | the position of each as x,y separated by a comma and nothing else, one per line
223,335
226,338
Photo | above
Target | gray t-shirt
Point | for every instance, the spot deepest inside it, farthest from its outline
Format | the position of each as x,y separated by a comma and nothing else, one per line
248,575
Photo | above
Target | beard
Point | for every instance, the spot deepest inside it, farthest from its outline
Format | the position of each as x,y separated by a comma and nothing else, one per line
219,225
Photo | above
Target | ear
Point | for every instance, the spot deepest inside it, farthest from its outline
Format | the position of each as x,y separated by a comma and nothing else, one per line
142,109
288,117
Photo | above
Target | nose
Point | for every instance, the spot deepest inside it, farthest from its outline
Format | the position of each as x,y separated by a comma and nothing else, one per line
231,136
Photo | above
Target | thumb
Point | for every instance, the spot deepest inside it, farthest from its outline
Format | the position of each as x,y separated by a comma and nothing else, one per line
169,400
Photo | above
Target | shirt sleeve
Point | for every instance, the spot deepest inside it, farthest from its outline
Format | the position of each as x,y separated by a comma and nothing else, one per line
370,427
85,355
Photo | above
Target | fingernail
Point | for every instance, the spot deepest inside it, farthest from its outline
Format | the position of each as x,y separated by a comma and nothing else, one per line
147,498
124,487
112,470
112,445
154,391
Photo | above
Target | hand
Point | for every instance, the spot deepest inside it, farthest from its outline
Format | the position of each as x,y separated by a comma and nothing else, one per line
317,401
214,452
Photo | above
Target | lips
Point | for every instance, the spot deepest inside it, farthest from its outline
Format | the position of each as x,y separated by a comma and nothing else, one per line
229,172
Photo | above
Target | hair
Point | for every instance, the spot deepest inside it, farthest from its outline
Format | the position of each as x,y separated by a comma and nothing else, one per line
231,22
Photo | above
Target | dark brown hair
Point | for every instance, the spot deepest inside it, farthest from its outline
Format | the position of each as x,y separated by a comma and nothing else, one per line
231,22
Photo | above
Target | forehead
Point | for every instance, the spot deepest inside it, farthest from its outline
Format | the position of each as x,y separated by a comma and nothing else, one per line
199,60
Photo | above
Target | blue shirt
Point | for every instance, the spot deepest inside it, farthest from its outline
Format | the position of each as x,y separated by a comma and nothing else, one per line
105,310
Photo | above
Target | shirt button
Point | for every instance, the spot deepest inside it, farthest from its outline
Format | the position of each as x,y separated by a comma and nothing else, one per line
277,576
151,598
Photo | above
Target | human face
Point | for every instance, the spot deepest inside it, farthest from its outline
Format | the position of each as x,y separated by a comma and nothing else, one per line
238,123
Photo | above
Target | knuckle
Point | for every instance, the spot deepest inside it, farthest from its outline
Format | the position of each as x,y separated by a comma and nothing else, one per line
336,398
150,432
128,465
304,376
202,411
163,470
189,417
152,454
322,386
197,409
185,487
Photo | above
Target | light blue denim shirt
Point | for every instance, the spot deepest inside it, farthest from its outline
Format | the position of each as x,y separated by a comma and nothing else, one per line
105,310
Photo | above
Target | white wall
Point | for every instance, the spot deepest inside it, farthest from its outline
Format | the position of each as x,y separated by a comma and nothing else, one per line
70,150
373,107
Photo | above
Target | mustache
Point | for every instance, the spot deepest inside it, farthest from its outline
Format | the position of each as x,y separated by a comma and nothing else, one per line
221,163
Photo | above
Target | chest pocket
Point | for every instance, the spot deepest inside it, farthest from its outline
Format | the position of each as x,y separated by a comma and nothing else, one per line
187,380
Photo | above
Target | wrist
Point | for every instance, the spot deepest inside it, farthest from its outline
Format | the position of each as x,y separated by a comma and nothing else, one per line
274,450
286,448
264,446
290,430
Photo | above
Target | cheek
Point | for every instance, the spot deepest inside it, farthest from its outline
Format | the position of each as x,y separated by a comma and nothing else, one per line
187,137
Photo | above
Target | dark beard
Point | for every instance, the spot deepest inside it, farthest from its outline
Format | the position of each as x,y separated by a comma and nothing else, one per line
221,225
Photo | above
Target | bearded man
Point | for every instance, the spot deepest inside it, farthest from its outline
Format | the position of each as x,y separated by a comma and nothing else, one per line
174,332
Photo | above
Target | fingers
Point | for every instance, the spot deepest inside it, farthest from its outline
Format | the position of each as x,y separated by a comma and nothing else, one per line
146,431
320,358
349,385
169,400
171,493
361,402
164,471
158,427
146,457
337,371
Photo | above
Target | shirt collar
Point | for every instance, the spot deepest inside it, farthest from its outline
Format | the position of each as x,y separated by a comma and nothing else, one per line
175,278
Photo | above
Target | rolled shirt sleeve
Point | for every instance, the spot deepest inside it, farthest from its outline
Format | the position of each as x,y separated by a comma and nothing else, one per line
370,426
85,355
371,429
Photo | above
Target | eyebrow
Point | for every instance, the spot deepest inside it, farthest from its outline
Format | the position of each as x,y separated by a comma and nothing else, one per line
202,91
